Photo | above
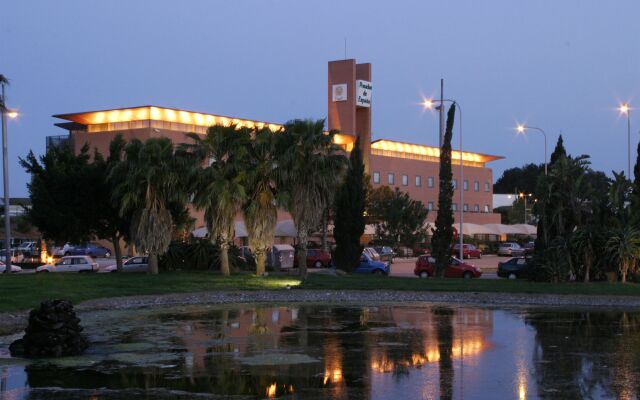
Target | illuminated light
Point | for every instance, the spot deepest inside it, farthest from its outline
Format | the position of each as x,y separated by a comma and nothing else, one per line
12,114
427,104
99,117
127,115
274,127
271,390
429,151
624,108
210,120
155,113
224,121
142,113
185,117
170,115
522,391
521,128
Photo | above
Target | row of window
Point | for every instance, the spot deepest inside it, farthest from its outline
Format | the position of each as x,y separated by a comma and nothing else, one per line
465,208
391,180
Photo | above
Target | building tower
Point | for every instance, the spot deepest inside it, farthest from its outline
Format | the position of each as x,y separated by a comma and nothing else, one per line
349,102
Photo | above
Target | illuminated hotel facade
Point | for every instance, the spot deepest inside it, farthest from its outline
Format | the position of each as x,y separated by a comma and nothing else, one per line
413,168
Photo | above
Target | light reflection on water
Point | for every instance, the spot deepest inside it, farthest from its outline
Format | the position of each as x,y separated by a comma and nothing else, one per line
330,352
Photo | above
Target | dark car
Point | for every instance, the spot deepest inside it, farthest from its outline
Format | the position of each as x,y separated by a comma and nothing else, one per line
468,251
529,247
516,267
371,266
426,267
90,249
386,253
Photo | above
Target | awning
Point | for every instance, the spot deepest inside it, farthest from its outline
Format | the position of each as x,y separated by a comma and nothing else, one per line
283,228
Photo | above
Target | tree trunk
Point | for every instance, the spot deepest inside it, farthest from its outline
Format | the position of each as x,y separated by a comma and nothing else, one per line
586,273
153,264
117,252
301,253
224,259
261,259
625,266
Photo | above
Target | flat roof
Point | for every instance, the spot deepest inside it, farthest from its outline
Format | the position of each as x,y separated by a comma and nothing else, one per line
151,112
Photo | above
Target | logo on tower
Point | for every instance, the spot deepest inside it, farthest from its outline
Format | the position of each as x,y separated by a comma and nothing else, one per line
340,92
363,93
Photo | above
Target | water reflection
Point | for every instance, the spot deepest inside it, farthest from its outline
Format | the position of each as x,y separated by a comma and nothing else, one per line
329,352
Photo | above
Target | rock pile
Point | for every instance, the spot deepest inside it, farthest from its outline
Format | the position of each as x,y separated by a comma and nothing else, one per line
53,331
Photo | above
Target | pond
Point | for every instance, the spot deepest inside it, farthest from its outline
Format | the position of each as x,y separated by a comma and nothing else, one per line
340,352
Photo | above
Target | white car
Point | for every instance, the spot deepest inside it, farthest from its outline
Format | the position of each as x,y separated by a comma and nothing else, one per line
134,264
14,268
59,251
70,264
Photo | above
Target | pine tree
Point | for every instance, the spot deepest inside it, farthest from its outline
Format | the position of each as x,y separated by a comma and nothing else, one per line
558,152
349,214
443,235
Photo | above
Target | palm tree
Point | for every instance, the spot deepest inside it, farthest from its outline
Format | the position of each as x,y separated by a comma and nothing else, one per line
149,183
219,187
311,169
585,242
261,208
624,248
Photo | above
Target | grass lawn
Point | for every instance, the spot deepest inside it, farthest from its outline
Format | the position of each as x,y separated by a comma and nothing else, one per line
20,292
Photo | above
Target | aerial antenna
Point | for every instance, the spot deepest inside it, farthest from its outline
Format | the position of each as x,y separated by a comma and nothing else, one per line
345,48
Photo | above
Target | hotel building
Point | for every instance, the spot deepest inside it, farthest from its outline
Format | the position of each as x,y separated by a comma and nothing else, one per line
412,168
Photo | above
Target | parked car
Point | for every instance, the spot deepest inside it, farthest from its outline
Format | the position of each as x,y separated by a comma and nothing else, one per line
134,264
29,249
317,258
386,253
70,264
281,256
17,256
14,268
468,251
370,266
516,267
372,253
418,251
510,249
59,251
529,247
90,249
426,267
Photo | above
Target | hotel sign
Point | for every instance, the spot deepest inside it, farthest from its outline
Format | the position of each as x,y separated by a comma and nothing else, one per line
363,93
339,92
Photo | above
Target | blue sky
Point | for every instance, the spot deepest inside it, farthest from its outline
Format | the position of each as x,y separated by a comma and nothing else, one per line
560,65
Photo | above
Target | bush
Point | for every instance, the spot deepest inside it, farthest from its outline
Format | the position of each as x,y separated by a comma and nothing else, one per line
198,254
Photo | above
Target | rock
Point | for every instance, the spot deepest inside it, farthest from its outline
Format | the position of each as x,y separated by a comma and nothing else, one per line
53,331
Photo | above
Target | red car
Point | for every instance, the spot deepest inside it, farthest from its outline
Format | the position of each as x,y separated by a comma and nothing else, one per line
468,251
317,258
426,267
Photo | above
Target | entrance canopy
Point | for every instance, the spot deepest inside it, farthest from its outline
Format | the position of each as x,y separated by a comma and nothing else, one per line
497,229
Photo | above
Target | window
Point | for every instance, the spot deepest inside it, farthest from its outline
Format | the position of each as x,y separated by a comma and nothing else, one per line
418,181
376,177
486,208
465,207
454,207
405,180
430,181
454,182
391,179
465,185
476,208
476,186
430,206
486,186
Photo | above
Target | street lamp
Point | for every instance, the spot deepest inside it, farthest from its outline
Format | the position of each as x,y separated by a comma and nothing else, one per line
430,104
625,108
4,114
522,128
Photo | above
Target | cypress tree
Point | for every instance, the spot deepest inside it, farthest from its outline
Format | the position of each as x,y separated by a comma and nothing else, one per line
443,235
349,215
635,194
558,152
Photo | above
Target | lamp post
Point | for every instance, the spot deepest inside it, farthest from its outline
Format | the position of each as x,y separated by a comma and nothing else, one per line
4,114
625,108
522,128
429,104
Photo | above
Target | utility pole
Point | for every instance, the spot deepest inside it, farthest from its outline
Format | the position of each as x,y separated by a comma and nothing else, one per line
5,173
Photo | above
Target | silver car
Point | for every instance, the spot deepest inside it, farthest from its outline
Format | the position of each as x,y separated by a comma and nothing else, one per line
134,264
70,264
510,249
